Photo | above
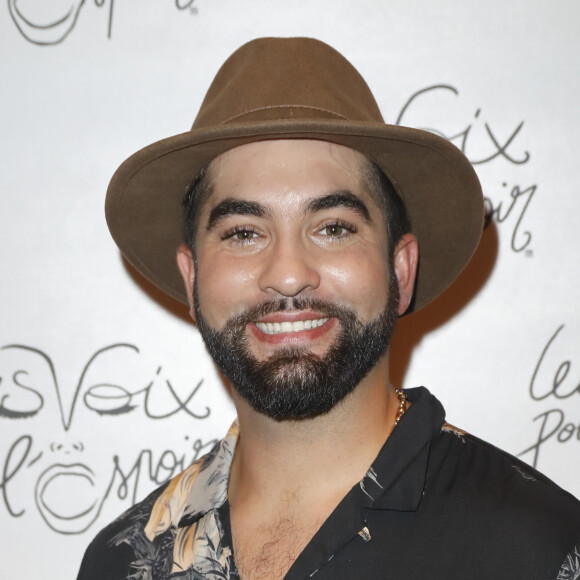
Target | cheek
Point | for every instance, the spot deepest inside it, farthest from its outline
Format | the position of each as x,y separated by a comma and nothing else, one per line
223,285
362,279
340,275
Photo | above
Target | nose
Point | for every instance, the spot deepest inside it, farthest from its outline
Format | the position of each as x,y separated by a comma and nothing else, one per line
289,269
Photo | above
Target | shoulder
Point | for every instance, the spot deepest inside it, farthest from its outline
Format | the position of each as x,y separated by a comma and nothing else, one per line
142,538
493,494
113,549
495,477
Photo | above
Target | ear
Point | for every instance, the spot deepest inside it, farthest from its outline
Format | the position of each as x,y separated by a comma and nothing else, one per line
187,269
405,259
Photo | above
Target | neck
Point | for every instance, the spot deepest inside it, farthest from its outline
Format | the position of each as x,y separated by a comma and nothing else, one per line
318,457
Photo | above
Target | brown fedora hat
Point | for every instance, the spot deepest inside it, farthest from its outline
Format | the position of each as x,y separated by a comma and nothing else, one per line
296,88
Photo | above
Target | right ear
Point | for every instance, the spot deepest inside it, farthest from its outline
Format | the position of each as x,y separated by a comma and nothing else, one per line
187,269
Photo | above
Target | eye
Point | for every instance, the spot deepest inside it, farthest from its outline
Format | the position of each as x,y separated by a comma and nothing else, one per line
240,235
337,229
244,235
334,230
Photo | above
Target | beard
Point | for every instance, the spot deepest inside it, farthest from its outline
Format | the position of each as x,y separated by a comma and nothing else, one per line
295,383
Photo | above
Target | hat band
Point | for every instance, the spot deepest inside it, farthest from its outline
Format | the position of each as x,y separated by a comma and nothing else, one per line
284,112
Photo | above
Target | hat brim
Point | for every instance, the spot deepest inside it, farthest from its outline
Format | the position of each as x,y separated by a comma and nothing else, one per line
437,183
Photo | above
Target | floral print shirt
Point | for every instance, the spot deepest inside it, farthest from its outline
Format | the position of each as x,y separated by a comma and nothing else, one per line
436,503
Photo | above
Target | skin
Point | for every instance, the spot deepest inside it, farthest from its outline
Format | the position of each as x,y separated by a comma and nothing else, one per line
286,245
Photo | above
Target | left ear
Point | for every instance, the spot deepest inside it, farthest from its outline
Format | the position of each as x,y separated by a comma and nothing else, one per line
405,260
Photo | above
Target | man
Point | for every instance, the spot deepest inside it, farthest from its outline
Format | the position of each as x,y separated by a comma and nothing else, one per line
304,219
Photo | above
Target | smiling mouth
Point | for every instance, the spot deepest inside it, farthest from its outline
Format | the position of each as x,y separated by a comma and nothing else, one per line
287,326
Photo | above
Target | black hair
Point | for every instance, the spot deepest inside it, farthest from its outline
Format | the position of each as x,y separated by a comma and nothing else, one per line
197,192
394,211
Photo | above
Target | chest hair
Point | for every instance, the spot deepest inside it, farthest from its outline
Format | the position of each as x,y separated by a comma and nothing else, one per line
268,552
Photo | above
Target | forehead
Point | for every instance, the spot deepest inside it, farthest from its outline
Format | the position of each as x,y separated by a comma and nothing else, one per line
288,168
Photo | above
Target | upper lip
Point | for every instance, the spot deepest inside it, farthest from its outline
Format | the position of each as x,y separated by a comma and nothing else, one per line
292,316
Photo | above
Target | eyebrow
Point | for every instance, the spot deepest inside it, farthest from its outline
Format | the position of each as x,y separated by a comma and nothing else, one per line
343,198
230,206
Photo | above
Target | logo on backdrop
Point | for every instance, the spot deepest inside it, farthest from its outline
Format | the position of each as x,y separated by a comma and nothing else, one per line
553,381
68,485
483,144
439,109
45,23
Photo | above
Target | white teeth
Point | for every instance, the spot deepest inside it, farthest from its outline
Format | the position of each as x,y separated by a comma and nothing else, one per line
286,326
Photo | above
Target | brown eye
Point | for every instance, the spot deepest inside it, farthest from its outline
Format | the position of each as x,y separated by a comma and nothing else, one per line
334,230
244,235
240,235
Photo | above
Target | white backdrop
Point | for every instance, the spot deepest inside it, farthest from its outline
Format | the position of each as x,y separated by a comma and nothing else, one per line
105,388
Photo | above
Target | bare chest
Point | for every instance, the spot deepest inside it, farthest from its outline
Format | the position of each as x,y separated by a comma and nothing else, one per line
269,550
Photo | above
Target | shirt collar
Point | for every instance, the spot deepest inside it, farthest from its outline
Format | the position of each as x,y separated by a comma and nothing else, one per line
208,477
395,480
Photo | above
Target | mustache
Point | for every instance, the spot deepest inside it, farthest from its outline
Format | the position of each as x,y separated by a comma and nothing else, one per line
325,308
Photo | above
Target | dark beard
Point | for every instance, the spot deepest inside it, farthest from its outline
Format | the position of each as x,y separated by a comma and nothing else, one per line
295,383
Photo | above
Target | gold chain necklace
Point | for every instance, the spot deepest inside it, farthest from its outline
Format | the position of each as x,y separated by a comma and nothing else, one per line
402,396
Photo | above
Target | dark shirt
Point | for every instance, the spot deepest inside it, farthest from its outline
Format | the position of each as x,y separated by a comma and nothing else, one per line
436,503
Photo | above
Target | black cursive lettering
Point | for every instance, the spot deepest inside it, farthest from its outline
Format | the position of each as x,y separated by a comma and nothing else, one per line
516,194
552,426
463,138
33,27
560,376
19,450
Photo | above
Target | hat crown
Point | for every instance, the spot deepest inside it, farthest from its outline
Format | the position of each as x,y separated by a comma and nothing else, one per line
285,88
286,78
